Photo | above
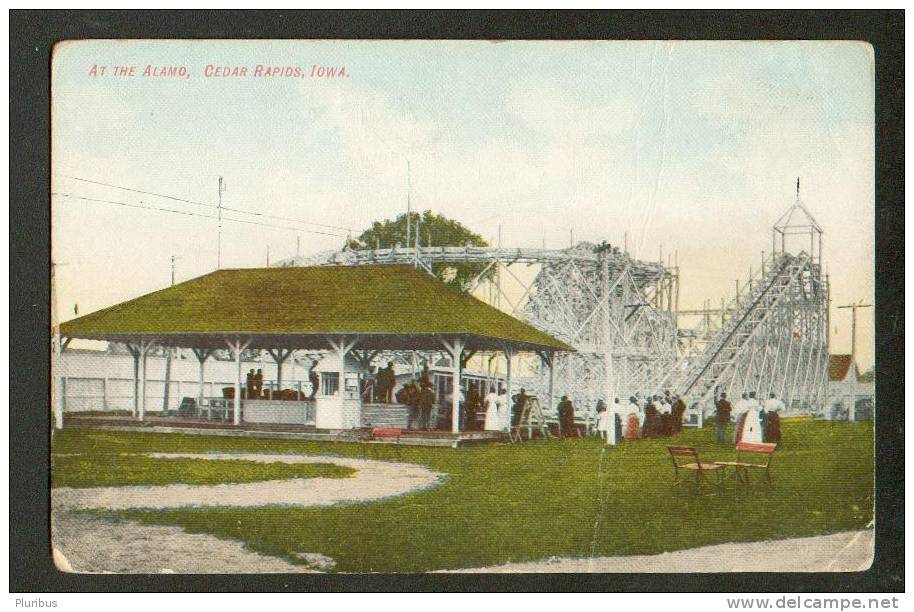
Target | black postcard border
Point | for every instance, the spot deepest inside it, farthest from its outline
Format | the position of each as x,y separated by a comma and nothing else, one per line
32,36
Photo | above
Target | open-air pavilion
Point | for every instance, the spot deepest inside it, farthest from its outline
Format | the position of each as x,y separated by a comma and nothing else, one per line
337,309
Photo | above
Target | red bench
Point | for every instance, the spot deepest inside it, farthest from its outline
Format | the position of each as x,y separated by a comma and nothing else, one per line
764,450
386,432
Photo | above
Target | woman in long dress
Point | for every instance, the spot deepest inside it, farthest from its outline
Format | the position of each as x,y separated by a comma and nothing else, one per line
493,420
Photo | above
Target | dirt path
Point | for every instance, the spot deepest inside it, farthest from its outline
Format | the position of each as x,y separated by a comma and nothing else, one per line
373,480
89,544
850,551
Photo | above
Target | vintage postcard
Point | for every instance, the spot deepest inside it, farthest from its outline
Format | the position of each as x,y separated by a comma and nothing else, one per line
362,306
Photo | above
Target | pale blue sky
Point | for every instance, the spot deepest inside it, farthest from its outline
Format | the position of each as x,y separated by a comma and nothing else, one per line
695,146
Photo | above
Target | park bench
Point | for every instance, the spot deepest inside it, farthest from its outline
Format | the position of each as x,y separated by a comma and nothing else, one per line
387,432
762,451
686,458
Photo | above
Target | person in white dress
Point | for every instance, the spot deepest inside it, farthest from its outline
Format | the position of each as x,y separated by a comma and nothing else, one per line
504,410
752,426
604,422
493,420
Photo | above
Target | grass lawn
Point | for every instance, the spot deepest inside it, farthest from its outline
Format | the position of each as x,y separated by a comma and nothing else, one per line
119,469
567,498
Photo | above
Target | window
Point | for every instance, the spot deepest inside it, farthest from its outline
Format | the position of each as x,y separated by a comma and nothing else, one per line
330,383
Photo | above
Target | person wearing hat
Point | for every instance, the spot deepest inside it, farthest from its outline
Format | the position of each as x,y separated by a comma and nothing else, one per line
724,409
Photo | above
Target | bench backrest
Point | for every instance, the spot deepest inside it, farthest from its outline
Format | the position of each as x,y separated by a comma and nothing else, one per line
762,450
756,447
690,454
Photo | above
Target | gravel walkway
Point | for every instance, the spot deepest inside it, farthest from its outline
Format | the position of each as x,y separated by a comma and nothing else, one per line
850,551
372,481
90,544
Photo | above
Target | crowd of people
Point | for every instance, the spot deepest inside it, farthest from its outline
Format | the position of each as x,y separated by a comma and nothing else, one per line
647,416
756,420
651,417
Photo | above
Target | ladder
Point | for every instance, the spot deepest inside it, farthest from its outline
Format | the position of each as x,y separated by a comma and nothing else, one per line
531,418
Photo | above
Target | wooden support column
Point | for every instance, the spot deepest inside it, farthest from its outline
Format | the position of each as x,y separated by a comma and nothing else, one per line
143,351
237,346
279,356
134,351
551,381
202,356
58,384
509,355
455,349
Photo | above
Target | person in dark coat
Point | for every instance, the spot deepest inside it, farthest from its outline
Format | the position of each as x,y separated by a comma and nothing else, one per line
773,427
425,379
471,409
391,381
520,400
566,416
258,383
315,379
679,408
724,410
249,385
426,402
651,420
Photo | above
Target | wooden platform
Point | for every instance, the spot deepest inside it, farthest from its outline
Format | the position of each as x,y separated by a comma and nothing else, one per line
191,426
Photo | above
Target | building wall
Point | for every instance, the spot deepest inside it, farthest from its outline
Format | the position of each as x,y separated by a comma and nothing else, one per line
102,381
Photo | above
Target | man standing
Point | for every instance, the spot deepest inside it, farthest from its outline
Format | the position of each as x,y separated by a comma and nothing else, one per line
426,401
388,379
724,409
520,400
258,383
566,417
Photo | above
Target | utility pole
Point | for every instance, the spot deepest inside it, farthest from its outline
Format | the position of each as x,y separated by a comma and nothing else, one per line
268,255
408,204
854,308
297,246
168,351
851,409
173,260
219,244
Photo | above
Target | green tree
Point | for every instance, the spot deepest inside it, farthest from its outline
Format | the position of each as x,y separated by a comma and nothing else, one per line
434,230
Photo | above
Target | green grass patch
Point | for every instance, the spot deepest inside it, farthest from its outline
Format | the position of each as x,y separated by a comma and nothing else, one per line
503,503
112,470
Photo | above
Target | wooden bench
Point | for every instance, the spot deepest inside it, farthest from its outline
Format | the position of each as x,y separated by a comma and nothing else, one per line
387,432
686,458
764,450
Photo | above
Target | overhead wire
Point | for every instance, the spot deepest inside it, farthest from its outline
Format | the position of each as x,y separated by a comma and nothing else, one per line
151,206
206,204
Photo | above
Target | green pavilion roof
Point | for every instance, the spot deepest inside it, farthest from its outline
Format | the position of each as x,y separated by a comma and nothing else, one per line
385,306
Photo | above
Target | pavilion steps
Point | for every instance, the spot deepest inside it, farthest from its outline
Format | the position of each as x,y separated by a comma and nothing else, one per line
385,415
